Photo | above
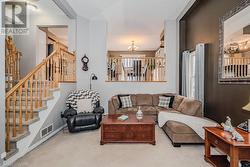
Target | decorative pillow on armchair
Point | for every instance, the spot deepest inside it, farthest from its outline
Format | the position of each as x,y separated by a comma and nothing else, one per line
84,105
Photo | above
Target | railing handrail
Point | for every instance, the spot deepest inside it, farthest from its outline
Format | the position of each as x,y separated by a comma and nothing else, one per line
30,74
67,51
237,58
136,57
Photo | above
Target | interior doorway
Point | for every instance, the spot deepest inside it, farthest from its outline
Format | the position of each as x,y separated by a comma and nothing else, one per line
51,39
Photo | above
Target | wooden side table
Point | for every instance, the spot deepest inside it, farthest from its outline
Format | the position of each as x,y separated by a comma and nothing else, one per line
217,137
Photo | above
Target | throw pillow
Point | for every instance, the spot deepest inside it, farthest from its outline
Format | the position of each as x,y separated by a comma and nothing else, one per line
171,100
125,101
164,101
84,105
119,99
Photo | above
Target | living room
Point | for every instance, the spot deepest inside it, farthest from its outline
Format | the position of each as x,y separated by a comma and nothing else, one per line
166,68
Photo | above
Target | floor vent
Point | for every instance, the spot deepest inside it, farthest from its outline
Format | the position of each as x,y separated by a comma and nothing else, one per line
46,131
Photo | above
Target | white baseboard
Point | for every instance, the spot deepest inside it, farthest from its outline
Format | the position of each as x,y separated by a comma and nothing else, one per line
45,139
11,161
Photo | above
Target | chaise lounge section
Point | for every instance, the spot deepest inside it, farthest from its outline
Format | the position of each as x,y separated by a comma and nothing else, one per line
178,132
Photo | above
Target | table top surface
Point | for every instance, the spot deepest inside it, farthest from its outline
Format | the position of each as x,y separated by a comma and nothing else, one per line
112,119
226,136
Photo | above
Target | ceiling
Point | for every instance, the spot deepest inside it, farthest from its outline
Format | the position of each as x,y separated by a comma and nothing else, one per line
131,20
61,33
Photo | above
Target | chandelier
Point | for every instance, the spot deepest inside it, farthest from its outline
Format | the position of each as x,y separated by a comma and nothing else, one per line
132,47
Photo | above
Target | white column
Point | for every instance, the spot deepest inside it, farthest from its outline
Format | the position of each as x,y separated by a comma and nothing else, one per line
171,50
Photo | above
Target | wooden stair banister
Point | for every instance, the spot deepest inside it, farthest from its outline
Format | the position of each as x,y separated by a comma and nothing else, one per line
12,63
28,94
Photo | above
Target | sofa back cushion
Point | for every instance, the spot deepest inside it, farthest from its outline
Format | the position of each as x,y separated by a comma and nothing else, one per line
133,99
177,101
116,102
144,100
189,106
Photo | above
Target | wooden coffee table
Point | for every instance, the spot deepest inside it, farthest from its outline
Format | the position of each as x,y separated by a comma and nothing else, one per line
128,131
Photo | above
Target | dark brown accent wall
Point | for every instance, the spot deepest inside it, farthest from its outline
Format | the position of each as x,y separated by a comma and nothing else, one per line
201,25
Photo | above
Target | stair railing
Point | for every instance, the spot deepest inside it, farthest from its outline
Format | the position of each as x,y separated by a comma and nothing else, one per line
29,93
12,64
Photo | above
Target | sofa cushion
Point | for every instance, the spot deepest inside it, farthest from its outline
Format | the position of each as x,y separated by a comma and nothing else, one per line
160,109
84,119
148,110
131,110
133,99
144,100
178,127
189,106
177,101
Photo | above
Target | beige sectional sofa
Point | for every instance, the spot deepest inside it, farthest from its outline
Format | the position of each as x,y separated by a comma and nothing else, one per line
179,133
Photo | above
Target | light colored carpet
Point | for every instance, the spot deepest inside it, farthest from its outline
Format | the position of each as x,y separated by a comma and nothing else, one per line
83,150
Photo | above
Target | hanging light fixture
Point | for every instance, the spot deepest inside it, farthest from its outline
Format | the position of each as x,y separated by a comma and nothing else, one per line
132,47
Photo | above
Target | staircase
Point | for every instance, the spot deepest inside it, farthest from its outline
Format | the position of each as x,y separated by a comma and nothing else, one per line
30,96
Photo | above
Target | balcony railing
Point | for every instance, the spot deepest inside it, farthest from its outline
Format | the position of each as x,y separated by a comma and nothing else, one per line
137,69
236,67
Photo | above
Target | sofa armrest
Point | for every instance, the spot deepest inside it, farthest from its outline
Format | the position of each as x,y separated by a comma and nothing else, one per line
99,110
111,108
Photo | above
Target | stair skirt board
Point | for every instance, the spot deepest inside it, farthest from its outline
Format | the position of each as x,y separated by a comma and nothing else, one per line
34,129
21,144
10,161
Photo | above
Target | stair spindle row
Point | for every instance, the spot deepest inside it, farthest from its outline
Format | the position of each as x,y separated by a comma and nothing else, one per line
26,98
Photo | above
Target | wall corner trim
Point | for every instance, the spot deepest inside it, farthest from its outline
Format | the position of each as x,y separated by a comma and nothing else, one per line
187,7
66,8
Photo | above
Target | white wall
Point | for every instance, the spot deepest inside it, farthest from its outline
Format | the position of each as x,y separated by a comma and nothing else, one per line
45,17
41,46
171,49
2,91
82,47
97,64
